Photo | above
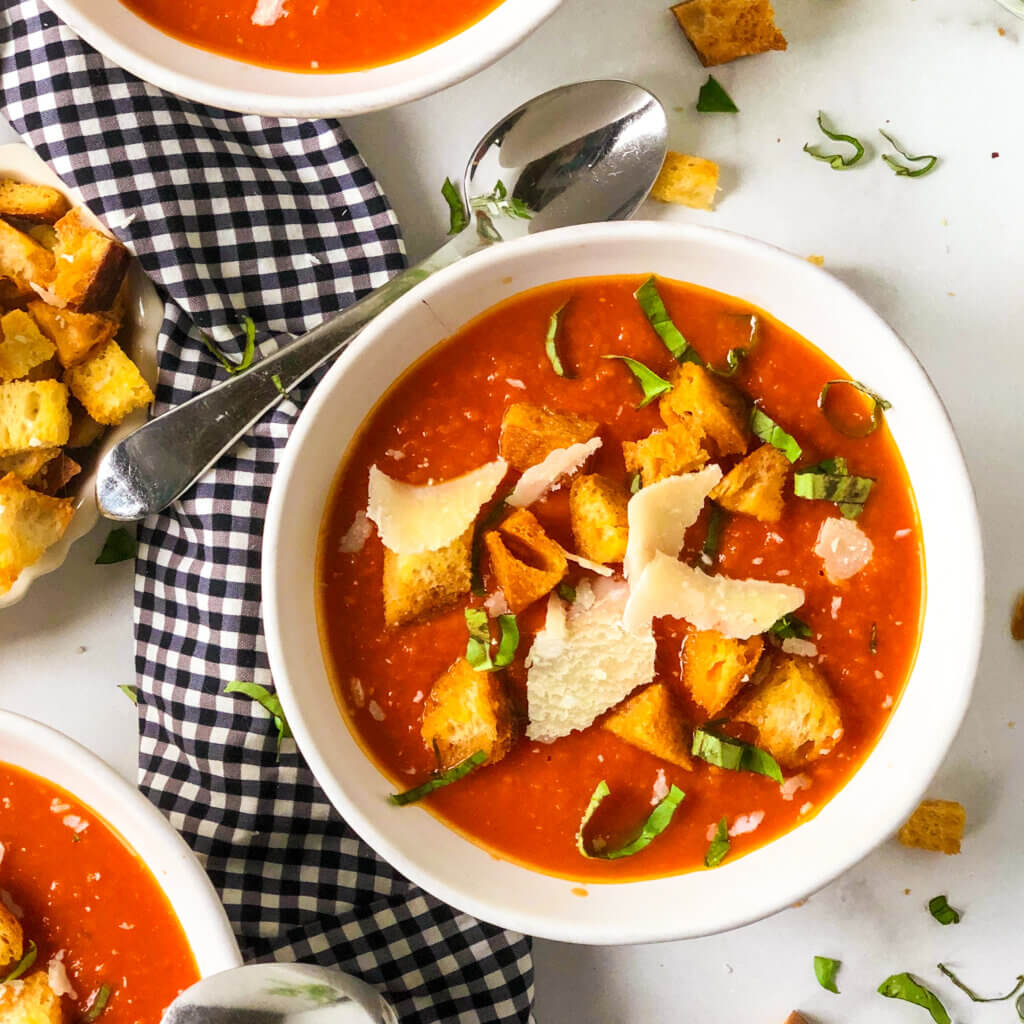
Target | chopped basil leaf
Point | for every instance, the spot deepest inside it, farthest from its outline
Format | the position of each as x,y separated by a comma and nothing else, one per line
27,960
901,169
719,846
650,383
713,99
825,970
771,433
657,316
713,539
878,406
903,986
498,202
478,648
276,380
636,483
458,218
790,627
566,592
734,360
324,995
734,755
836,161
131,692
873,641
942,911
830,480
97,1006
119,546
248,352
460,771
551,343
656,824
489,521
269,702
975,998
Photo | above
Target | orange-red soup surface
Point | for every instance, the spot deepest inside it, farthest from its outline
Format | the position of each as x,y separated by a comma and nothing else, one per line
83,891
442,419
314,35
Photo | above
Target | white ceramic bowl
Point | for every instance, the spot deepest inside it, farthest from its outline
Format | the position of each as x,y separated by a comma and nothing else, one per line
199,75
145,316
864,813
52,755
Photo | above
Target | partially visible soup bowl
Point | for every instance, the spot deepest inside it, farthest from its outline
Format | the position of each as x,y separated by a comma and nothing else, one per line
872,804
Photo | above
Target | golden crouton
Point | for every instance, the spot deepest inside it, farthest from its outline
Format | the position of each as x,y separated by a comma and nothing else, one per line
722,30
686,180
108,384
23,347
665,453
24,260
84,429
651,720
936,825
467,711
715,406
597,512
529,433
29,524
38,203
717,667
90,265
416,585
526,562
30,1000
755,486
33,414
794,712
74,334
11,939
25,465
54,475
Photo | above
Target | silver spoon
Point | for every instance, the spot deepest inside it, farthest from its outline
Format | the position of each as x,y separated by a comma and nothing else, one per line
575,155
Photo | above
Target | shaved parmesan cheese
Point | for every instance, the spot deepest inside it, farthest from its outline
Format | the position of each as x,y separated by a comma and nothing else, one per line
802,648
586,563
356,535
736,608
659,516
561,462
583,662
268,12
57,975
844,548
415,518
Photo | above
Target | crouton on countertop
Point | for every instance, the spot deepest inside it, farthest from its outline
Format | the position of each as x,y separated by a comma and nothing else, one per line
597,512
530,433
794,712
90,266
30,1000
24,260
23,346
11,939
936,825
29,524
719,410
108,384
417,585
686,180
74,334
38,203
651,720
526,562
665,453
754,487
33,414
467,711
723,30
717,667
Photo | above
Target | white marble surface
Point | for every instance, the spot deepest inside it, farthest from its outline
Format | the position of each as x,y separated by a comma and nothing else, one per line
939,257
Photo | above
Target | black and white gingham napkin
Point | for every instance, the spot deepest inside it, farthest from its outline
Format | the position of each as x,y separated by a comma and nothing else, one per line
234,214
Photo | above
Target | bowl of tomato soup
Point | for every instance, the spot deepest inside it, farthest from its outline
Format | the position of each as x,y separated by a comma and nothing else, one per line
117,909
285,58
687,657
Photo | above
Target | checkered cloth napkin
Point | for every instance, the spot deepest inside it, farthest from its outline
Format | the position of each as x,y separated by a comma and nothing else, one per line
281,220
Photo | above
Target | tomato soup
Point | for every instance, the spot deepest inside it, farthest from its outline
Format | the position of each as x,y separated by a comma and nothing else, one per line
443,418
313,35
83,897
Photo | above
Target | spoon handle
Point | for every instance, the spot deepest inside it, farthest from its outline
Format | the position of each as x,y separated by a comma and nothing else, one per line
161,460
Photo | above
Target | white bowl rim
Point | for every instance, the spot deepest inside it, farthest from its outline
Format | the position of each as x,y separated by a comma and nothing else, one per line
276,573
185,884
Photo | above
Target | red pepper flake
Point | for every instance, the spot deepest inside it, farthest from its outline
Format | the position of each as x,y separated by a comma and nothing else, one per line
995,156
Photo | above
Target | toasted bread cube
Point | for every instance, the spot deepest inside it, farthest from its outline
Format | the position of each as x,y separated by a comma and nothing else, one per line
723,30
25,465
38,203
526,562
74,334
794,712
44,234
108,384
651,720
33,414
529,433
597,513
84,429
30,1000
11,939
687,181
90,266
14,294
754,487
55,475
23,346
936,825
29,524
467,711
418,585
49,369
24,260
665,453
699,397
717,667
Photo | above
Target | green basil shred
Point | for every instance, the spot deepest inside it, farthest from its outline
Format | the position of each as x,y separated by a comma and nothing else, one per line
478,648
718,849
825,970
878,406
269,702
460,771
119,546
902,170
940,909
97,1006
733,755
733,361
276,381
23,965
713,99
650,383
903,986
974,997
636,483
836,161
566,592
790,627
765,428
248,352
657,316
499,202
551,343
831,480
458,217
658,821
717,518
